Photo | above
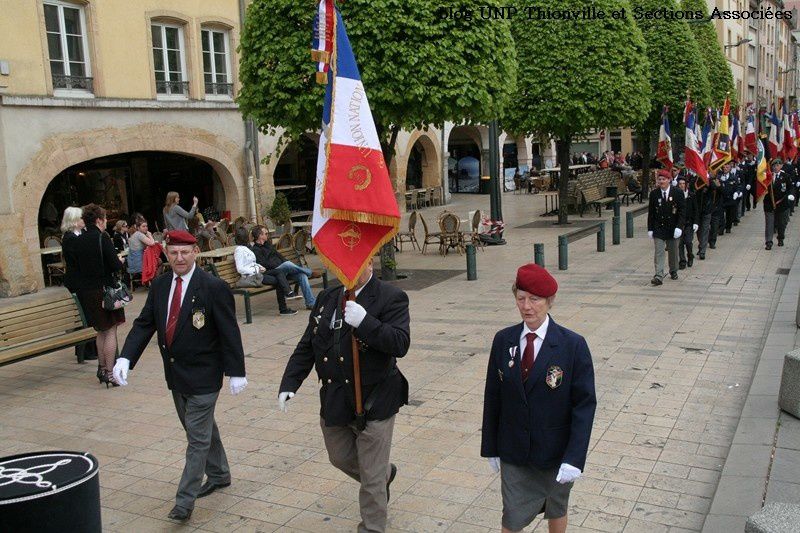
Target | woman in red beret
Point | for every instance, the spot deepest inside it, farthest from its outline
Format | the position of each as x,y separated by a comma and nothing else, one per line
538,407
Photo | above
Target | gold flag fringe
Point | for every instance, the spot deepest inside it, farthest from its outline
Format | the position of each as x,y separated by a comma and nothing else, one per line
320,56
366,218
347,282
322,78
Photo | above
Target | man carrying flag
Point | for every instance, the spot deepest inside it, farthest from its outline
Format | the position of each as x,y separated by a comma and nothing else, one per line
664,153
355,333
778,192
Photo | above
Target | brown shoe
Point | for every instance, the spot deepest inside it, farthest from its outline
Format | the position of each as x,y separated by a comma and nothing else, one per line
317,272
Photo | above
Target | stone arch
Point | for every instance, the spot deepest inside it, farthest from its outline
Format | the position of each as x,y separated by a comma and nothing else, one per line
61,151
431,168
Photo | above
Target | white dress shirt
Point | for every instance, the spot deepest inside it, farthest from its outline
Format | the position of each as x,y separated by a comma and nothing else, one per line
541,331
184,285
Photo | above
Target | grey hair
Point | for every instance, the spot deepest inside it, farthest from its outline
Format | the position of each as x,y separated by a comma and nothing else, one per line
71,217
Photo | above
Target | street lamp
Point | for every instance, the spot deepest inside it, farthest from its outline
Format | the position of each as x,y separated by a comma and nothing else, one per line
740,43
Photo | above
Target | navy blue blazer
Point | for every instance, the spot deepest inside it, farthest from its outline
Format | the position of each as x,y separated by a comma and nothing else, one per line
548,419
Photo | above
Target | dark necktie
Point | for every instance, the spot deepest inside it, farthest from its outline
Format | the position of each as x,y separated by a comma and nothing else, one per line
528,355
174,311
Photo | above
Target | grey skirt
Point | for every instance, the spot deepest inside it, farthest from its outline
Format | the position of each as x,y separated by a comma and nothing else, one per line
528,491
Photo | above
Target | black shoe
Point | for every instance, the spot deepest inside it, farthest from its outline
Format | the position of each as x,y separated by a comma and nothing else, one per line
690,261
712,246
682,265
768,246
673,275
780,242
702,257
209,487
180,514
727,230
735,222
289,312
656,281
291,294
309,307
391,478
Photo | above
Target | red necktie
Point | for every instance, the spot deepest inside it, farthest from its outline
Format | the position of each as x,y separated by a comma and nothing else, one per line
528,356
174,311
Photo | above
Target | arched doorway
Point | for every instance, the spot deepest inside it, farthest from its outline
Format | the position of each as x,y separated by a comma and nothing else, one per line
295,174
422,168
135,182
464,165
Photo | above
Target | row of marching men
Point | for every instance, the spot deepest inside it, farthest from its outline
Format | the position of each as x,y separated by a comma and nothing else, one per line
680,210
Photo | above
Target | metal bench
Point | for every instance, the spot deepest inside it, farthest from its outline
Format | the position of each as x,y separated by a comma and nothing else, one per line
595,196
42,326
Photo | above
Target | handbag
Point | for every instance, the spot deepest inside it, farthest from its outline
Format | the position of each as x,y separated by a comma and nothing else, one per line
117,295
250,280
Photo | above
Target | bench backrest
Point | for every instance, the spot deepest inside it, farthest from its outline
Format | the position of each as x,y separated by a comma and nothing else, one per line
226,271
40,319
594,193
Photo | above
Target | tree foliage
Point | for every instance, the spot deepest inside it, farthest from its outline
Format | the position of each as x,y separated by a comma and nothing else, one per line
675,63
418,68
719,72
575,75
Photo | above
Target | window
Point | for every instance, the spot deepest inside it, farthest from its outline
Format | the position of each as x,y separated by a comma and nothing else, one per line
217,64
67,47
169,62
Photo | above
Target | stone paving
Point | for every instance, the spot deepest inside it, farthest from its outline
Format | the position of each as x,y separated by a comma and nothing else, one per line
673,366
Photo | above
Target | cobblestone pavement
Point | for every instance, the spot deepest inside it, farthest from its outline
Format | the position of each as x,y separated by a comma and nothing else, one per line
673,365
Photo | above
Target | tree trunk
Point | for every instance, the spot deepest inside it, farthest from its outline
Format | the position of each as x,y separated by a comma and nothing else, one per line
644,143
388,262
562,154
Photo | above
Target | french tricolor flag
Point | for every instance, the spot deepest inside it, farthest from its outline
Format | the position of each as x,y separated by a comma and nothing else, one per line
775,142
750,131
789,147
355,210
691,151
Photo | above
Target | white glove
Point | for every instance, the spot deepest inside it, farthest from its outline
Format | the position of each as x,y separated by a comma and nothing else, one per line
567,473
494,464
747,187
237,385
650,234
674,183
677,233
120,371
695,227
282,399
353,313
791,197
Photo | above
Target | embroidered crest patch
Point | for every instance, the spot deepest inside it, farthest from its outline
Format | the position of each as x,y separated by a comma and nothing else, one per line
554,377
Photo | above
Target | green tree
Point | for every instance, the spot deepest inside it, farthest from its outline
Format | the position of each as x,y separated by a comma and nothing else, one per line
720,76
576,75
418,66
676,67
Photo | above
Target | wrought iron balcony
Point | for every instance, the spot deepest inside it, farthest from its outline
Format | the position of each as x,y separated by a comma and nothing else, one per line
72,82
219,89
172,87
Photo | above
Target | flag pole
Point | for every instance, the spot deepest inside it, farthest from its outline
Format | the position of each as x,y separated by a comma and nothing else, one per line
361,420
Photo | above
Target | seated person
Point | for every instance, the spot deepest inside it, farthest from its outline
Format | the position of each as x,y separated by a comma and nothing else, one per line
120,236
268,257
254,274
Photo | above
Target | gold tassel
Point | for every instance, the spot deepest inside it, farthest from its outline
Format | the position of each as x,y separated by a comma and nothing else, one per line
320,56
322,78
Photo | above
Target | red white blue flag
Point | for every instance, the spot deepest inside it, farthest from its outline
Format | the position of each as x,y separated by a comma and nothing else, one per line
775,143
789,147
664,153
707,138
736,138
355,210
750,131
691,151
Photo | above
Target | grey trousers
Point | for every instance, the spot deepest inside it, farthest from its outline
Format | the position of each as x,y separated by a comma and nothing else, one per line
775,221
204,452
364,456
672,250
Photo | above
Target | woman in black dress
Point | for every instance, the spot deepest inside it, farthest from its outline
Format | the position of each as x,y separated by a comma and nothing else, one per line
96,261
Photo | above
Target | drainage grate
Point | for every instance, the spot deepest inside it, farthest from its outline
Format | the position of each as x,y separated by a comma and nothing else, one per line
783,271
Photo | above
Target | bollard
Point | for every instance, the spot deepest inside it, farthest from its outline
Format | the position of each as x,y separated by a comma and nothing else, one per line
628,225
538,254
615,230
601,238
562,252
616,208
472,270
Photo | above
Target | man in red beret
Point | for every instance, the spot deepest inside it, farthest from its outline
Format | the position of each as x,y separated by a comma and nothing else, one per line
665,221
194,315
538,407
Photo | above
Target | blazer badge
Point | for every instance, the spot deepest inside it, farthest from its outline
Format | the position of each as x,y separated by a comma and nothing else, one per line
198,318
554,377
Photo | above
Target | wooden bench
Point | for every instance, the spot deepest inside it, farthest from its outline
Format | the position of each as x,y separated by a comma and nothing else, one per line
596,196
42,326
226,271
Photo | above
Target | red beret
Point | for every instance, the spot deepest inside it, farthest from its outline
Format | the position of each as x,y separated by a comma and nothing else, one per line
178,237
536,280
666,173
